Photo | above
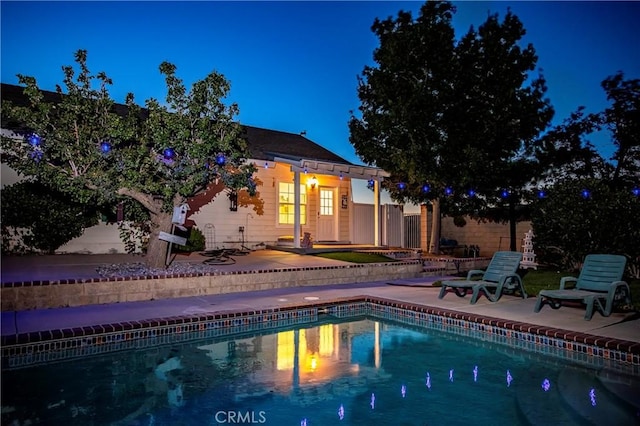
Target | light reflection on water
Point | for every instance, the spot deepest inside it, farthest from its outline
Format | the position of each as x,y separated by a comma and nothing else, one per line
300,376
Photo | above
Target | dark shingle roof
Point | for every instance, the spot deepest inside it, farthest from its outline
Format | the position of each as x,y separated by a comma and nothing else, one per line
264,144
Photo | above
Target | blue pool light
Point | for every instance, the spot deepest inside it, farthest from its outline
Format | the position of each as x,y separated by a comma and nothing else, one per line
428,381
303,422
451,375
592,397
475,373
546,385
220,159
509,378
403,390
341,412
373,401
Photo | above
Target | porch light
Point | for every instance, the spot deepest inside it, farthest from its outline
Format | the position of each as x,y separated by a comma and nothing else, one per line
313,182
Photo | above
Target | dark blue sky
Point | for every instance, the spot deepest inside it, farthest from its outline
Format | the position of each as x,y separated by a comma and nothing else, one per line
293,65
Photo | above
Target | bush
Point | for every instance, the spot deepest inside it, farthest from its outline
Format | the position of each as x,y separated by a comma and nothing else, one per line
569,224
37,218
195,241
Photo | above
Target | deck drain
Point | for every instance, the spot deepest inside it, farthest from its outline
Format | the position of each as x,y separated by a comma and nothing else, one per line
311,298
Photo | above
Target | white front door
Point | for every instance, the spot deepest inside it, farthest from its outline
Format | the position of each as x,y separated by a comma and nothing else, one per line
327,215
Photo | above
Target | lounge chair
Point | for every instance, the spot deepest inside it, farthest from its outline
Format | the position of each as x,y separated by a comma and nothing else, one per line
598,285
500,276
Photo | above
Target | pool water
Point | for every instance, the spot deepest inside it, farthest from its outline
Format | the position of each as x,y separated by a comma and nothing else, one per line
358,372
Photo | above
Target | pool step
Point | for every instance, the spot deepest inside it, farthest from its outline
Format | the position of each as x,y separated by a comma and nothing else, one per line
589,399
540,407
625,387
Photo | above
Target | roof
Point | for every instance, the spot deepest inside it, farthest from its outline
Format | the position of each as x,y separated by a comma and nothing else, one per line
263,144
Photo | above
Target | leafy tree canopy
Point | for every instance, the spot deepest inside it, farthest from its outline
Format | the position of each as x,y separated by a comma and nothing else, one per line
86,146
447,117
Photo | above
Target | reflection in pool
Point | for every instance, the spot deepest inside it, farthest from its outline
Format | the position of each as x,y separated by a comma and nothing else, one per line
363,372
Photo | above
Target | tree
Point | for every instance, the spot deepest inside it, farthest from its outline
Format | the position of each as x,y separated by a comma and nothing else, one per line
86,146
453,123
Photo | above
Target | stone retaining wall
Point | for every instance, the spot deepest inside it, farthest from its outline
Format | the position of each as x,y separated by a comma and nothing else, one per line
63,293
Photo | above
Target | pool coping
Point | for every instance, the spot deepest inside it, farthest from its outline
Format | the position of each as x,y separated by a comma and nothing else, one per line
35,347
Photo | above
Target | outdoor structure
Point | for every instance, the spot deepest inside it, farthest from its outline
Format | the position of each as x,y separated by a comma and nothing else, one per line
302,188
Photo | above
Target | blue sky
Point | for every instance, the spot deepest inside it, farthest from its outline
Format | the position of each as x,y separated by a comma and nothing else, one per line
293,66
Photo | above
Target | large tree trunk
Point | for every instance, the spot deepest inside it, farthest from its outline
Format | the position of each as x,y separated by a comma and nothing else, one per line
157,249
434,245
512,226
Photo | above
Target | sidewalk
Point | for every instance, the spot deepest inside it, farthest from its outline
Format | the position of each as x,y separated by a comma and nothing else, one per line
617,326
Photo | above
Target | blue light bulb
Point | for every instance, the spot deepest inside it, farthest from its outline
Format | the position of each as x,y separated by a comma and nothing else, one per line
168,153
448,191
504,193
402,186
542,194
105,147
585,193
636,191
220,159
34,139
472,193
426,188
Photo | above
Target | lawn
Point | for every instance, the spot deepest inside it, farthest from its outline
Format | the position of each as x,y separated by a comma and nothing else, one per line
355,257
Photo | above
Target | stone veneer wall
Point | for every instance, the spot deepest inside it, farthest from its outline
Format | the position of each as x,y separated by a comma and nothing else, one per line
63,293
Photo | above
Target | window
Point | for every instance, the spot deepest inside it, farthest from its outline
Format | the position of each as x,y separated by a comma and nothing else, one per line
286,205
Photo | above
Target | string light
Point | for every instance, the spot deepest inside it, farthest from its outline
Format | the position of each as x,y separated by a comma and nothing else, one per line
220,160
426,187
472,193
105,147
168,153
504,193
448,191
585,193
402,186
636,191
34,139
542,194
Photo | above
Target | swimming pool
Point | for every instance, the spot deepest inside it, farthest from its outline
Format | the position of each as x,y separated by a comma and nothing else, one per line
356,366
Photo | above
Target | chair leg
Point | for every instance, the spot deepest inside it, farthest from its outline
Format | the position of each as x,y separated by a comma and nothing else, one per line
538,304
589,312
443,290
476,293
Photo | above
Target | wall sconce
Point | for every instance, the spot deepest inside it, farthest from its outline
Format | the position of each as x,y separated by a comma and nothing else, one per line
313,182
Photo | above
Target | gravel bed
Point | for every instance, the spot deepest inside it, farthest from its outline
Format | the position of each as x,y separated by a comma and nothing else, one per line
120,270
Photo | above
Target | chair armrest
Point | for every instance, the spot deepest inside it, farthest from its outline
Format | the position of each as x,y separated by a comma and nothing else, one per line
474,272
565,280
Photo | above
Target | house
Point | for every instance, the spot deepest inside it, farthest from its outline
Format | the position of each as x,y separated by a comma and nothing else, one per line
302,188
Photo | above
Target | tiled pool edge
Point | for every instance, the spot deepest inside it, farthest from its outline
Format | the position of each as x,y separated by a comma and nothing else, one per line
32,348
